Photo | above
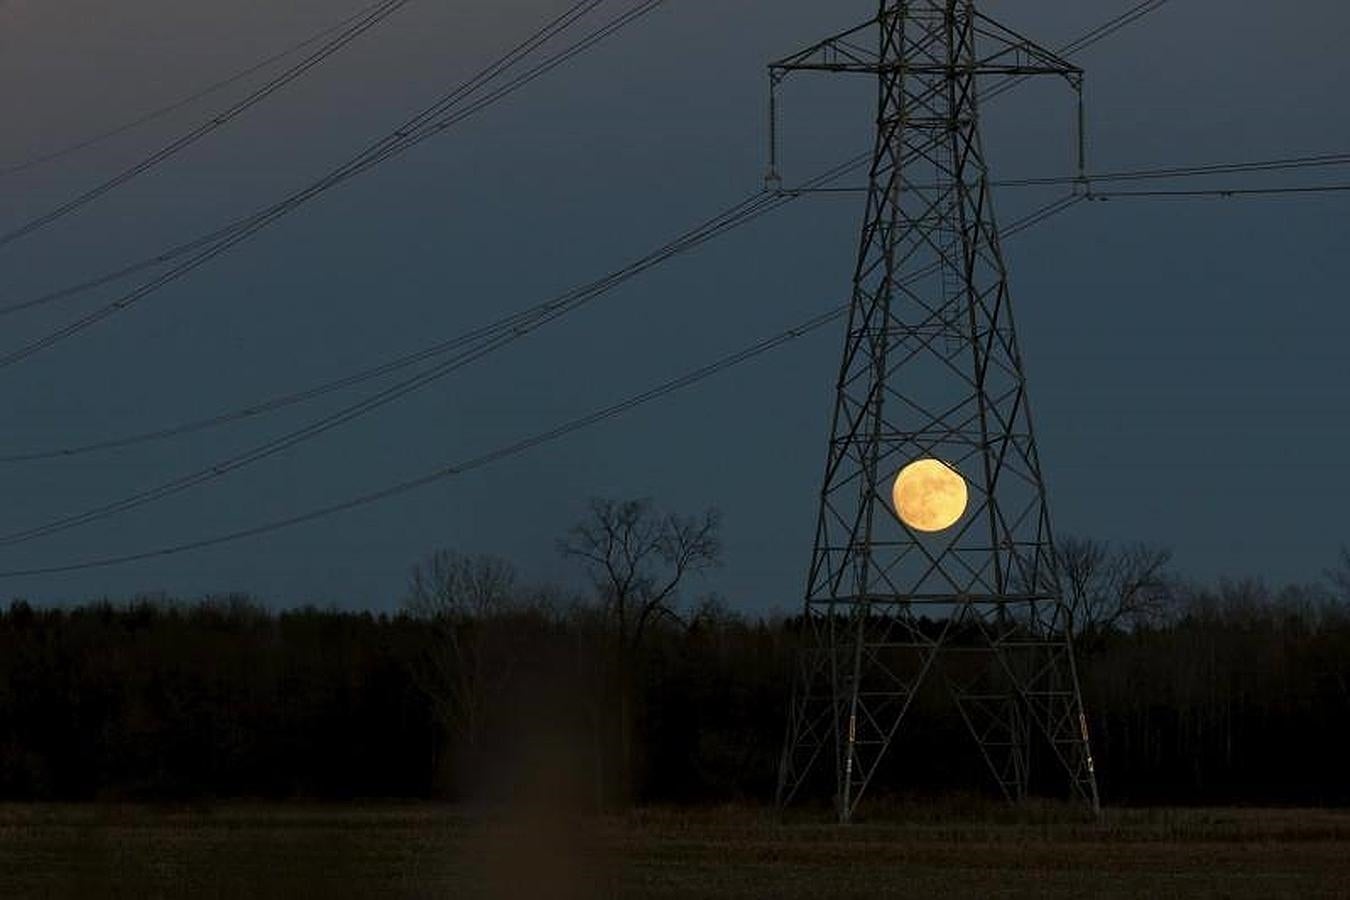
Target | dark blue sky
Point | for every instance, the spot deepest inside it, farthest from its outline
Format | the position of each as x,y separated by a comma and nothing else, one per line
1187,359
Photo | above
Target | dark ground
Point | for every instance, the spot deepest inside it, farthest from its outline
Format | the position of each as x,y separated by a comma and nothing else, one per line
246,851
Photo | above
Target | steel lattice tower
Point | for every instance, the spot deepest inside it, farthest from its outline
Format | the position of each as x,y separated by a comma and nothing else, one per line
931,369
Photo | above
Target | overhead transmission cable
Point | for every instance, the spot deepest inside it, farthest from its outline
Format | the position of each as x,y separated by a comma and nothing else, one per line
387,367
417,130
765,199
1222,193
496,337
1100,33
199,94
351,32
1283,164
1081,43
1106,29
450,470
355,165
1326,160
751,208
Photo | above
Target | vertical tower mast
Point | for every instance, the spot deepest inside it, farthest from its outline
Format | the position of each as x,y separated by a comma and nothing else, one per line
931,371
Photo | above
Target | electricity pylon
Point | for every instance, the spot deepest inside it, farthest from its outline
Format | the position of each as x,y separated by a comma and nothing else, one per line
931,370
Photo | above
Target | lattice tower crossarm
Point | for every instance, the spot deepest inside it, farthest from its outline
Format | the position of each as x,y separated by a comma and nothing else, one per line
931,368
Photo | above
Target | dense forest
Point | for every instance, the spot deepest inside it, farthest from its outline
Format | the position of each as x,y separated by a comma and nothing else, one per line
481,687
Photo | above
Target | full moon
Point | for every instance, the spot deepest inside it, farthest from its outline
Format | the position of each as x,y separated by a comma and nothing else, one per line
929,495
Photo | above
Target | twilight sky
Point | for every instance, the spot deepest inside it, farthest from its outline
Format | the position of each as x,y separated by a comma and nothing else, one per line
1187,358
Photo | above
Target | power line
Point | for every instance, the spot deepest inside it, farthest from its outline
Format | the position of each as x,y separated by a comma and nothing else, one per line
450,470
1096,35
393,144
1109,28
1282,164
1151,174
363,24
355,165
350,380
520,325
748,209
395,364
1221,193
1084,41
736,215
160,112
411,384
118,274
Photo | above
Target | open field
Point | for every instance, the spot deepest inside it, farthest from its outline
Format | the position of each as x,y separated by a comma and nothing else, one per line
245,850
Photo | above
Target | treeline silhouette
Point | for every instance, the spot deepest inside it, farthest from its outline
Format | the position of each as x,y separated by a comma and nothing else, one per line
480,687
1245,698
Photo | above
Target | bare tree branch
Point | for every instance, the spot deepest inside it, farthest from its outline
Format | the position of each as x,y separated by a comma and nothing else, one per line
1340,576
462,598
638,559
1109,587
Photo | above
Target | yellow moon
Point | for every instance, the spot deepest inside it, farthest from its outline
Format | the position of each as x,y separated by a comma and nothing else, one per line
929,495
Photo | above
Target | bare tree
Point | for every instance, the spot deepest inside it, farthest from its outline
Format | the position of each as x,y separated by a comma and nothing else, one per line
1109,587
637,559
466,663
1340,576
713,612
448,585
